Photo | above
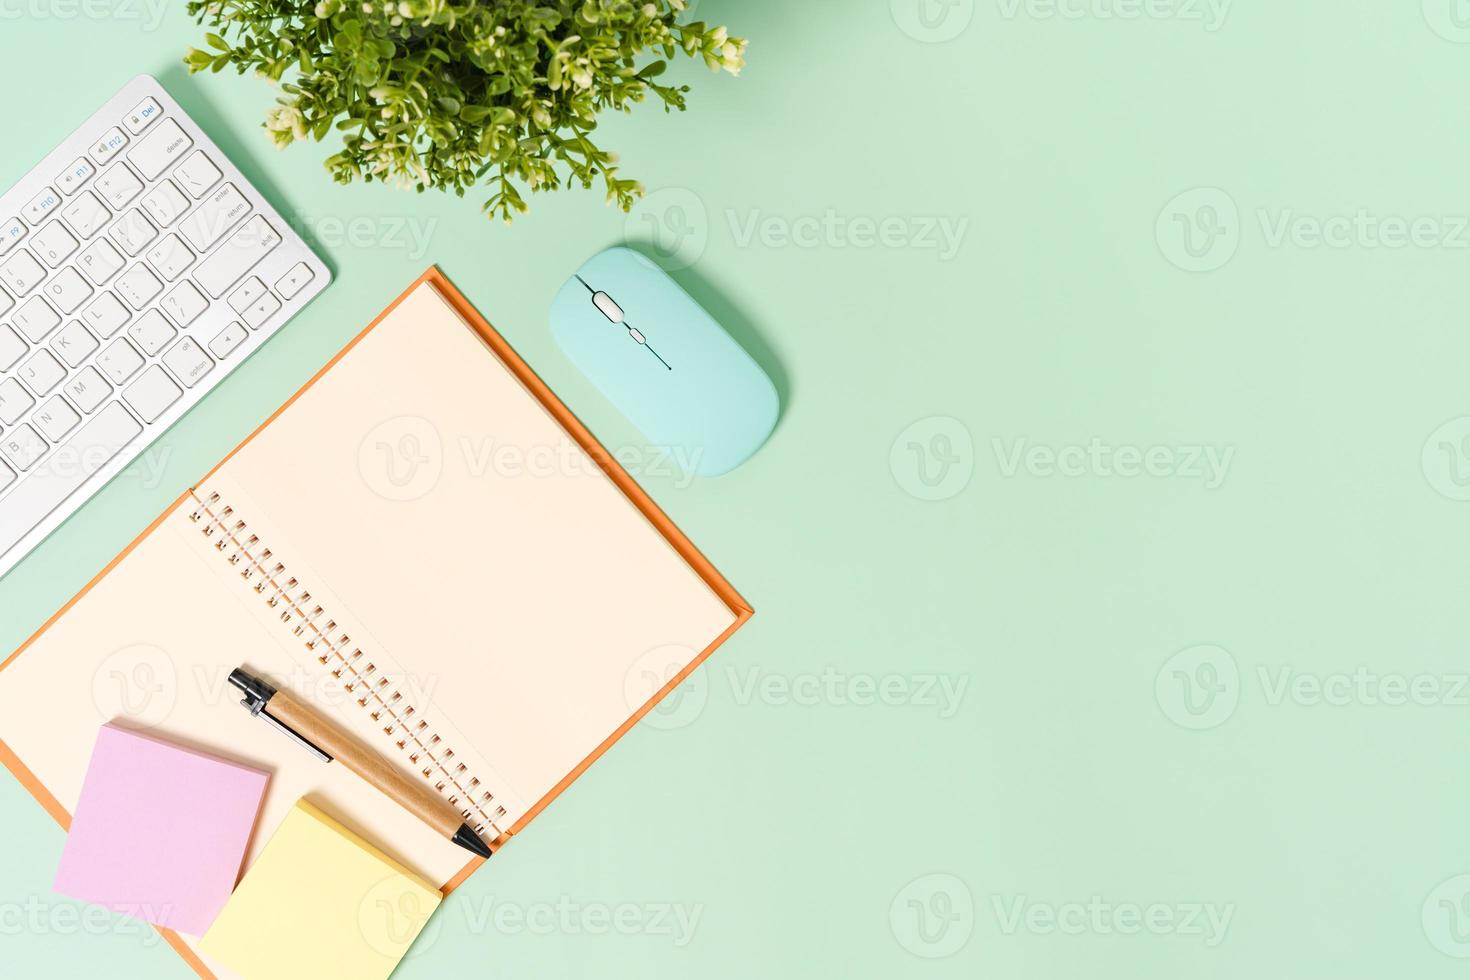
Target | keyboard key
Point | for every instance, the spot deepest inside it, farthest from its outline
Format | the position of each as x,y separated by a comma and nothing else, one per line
86,215
35,318
170,258
152,393
41,205
197,174
165,203
11,347
42,372
68,290
5,302
54,243
240,253
100,262
55,419
7,476
225,342
92,447
74,344
213,219
261,310
243,298
152,332
157,151
119,361
72,178
108,145
143,114
133,232
11,232
118,185
106,315
188,362
138,286
185,303
292,282
23,447
87,389
22,273
15,401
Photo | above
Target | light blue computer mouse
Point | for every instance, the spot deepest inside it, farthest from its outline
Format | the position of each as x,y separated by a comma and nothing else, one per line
664,362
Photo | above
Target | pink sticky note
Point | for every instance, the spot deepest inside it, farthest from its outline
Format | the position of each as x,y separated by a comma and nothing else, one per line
160,830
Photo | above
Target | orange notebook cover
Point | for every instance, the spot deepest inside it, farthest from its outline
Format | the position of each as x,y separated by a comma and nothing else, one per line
425,544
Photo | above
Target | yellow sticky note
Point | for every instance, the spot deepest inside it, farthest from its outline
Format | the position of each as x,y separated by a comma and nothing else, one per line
320,902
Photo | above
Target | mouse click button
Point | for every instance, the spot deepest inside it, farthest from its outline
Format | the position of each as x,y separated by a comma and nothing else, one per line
608,308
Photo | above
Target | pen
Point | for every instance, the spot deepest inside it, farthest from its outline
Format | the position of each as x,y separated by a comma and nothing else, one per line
328,742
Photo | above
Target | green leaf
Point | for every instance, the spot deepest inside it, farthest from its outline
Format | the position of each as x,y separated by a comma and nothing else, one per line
216,42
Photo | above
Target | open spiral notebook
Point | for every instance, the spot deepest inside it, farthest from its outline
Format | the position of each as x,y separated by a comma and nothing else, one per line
426,545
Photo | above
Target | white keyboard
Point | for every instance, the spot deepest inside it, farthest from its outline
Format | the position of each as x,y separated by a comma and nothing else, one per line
138,268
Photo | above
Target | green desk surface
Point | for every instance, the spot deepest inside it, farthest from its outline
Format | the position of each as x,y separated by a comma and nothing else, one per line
1109,608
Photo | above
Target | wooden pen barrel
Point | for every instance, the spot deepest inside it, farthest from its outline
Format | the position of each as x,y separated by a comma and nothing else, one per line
415,795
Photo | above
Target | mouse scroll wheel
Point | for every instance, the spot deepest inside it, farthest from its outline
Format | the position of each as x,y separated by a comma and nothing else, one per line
607,307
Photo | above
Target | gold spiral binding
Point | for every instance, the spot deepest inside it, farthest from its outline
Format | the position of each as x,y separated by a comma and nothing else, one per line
308,621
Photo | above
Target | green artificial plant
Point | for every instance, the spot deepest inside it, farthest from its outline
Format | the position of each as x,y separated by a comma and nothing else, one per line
445,93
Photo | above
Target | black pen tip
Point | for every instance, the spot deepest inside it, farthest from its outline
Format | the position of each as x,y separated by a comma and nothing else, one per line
470,841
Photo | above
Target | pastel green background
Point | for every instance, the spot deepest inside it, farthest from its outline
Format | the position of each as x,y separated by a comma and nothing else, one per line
814,827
